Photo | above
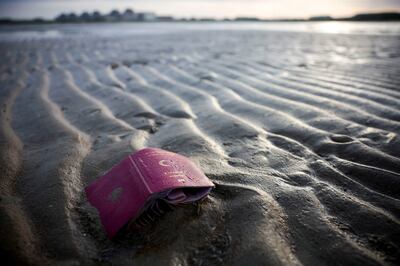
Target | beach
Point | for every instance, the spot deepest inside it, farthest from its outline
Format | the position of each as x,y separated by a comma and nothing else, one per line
298,130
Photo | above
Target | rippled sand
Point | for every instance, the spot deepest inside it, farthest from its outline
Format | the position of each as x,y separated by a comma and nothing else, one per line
298,131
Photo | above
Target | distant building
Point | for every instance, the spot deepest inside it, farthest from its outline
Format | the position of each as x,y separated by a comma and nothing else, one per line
85,17
113,16
71,17
97,17
61,18
129,15
147,16
165,18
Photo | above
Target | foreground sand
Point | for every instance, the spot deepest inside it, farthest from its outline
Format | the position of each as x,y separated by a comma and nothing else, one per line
298,131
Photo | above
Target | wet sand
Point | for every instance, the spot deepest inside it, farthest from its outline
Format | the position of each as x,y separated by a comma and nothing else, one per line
299,132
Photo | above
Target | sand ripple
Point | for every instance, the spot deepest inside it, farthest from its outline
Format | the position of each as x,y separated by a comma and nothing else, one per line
300,137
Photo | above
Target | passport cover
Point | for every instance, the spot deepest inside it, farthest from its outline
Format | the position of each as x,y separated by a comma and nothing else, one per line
136,183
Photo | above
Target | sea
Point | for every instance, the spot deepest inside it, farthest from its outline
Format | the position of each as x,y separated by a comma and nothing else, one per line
54,31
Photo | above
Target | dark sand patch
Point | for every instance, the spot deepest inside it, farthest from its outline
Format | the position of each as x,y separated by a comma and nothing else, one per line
303,147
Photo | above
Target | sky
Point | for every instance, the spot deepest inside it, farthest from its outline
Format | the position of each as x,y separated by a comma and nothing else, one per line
269,9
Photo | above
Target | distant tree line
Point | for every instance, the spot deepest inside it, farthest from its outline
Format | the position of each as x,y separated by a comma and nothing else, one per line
131,16
388,16
113,16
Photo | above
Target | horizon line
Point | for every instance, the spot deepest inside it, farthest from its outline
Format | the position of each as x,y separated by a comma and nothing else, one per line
121,12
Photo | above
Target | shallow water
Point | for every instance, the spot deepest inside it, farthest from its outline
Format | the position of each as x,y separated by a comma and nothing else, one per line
126,29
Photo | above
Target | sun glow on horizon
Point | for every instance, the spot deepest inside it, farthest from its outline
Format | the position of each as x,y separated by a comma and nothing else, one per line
202,8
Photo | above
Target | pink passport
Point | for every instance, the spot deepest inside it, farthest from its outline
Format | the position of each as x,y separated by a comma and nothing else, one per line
135,184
